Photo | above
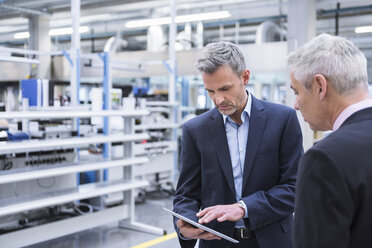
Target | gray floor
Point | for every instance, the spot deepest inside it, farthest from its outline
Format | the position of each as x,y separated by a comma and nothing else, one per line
112,236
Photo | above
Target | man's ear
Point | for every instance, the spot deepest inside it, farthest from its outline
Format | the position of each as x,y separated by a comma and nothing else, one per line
321,86
245,76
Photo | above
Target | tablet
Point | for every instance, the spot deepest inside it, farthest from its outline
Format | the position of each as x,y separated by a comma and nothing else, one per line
201,226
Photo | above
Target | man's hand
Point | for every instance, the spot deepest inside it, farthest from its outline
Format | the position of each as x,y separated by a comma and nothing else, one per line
191,232
232,212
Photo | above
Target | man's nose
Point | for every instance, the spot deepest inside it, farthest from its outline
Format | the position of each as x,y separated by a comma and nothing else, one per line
296,105
219,99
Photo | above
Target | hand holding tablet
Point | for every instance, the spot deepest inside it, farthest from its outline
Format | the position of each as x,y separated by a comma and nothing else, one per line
202,227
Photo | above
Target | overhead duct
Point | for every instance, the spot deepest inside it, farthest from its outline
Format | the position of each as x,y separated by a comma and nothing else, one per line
156,39
184,39
269,31
199,35
113,43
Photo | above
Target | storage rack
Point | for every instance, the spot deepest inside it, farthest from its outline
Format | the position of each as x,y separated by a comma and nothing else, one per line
153,167
123,213
160,170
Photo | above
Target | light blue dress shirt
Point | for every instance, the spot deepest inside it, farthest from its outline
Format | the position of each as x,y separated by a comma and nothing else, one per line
237,136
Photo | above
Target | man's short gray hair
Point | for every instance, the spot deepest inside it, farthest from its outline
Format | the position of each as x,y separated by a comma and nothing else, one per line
336,58
214,55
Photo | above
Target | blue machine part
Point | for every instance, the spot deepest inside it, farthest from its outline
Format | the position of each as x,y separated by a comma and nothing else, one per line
17,136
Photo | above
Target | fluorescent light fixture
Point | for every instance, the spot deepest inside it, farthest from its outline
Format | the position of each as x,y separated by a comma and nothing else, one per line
21,35
178,19
66,31
363,29
53,32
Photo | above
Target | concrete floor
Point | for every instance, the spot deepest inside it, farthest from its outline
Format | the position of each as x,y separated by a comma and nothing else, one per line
112,236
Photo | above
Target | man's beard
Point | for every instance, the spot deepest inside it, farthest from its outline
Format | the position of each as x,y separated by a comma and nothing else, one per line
228,111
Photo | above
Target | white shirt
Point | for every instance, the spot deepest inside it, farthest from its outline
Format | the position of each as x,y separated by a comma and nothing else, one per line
237,136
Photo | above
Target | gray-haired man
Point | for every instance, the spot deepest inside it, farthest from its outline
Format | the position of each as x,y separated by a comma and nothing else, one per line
334,189
238,161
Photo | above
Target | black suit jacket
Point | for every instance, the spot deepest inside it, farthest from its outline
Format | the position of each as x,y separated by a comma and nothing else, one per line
334,188
274,147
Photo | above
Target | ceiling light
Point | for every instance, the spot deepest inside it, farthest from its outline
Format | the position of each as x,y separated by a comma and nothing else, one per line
202,16
178,19
148,22
66,31
363,29
21,35
53,32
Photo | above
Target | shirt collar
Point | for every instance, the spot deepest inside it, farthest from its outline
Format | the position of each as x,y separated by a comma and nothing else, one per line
247,109
347,112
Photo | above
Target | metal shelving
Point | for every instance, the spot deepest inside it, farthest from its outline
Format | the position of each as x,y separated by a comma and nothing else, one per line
55,114
161,103
60,228
50,170
126,184
102,189
37,145
162,148
81,192
157,126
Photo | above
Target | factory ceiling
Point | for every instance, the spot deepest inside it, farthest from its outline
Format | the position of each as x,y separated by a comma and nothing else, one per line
107,18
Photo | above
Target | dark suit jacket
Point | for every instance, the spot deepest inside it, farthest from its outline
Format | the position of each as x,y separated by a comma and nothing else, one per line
274,148
334,188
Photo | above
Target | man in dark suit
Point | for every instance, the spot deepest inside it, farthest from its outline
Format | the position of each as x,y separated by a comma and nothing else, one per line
334,187
238,161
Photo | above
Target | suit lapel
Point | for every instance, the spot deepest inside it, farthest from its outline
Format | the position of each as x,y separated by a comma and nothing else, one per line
257,122
221,146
